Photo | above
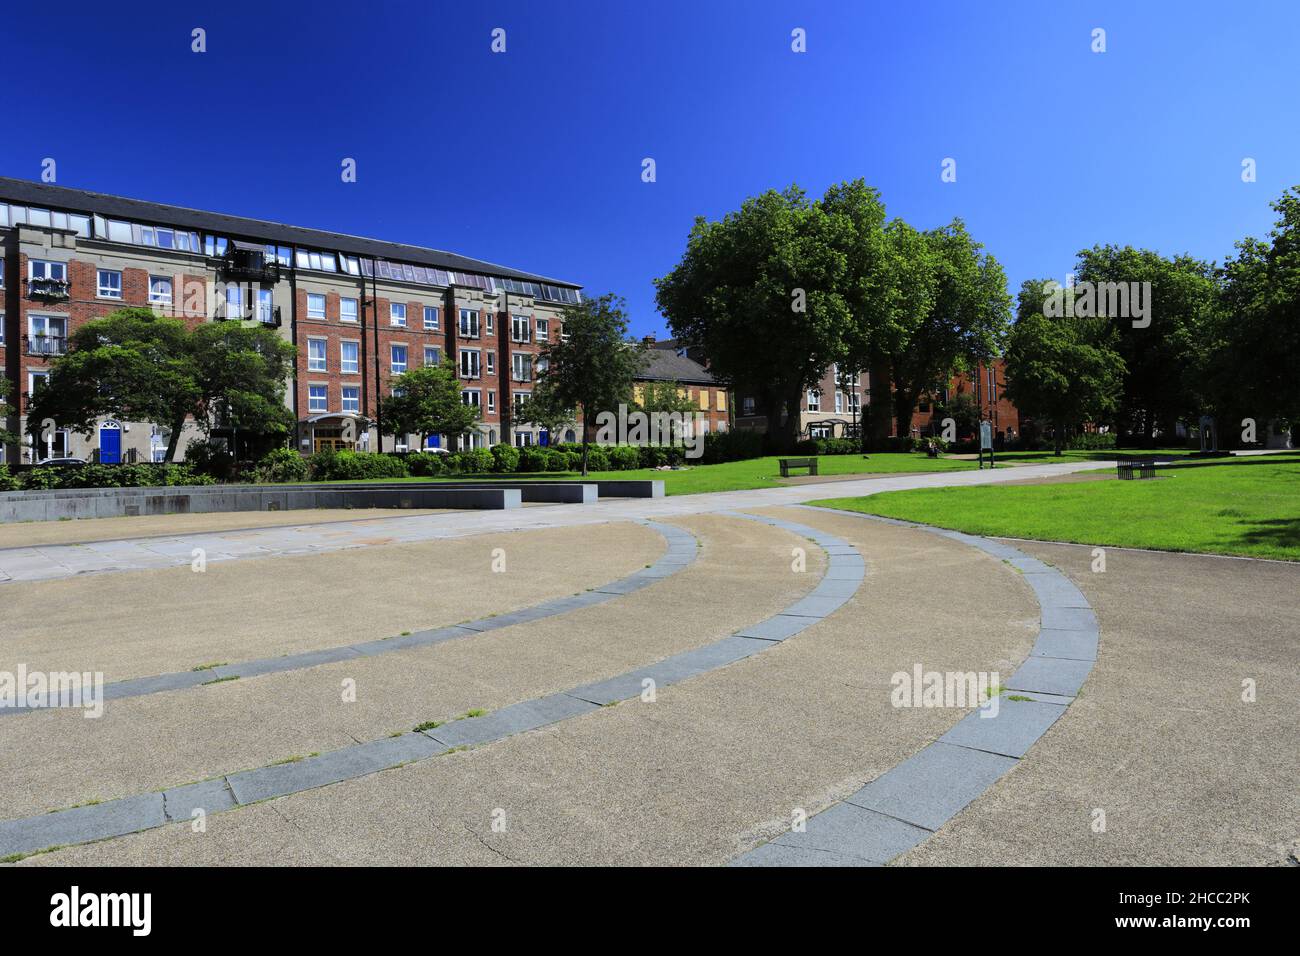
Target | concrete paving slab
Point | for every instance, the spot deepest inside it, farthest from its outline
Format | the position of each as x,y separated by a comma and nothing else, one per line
1016,727
81,824
1051,675
929,788
1072,645
852,831
779,854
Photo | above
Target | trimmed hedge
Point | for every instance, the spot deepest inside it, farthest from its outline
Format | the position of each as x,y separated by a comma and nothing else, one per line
355,466
281,465
105,476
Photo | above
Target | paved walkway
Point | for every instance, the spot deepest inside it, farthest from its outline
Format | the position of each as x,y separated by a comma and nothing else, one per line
137,554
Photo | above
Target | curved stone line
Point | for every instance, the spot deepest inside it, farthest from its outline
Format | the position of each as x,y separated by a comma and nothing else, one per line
905,805
681,553
844,573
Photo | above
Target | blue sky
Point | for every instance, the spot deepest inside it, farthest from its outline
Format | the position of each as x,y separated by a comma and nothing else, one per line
532,158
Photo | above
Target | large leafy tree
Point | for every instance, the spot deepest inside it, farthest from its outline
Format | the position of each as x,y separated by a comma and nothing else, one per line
1061,370
664,397
957,315
131,365
1252,365
1162,357
135,365
762,293
426,401
591,368
242,371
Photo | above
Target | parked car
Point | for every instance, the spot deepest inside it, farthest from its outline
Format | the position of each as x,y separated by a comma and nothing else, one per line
60,462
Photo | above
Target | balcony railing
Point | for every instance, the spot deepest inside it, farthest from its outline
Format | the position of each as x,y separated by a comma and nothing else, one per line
250,265
47,345
50,290
267,315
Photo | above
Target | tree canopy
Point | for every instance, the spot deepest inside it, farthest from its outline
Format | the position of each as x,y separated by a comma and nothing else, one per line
427,401
135,365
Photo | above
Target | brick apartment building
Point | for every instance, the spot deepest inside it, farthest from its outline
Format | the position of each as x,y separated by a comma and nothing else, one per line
359,311
667,362
834,409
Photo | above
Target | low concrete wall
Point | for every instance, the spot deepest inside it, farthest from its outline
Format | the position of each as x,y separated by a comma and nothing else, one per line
125,502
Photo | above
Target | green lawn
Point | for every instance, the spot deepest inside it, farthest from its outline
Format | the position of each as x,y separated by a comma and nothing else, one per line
752,473
1245,506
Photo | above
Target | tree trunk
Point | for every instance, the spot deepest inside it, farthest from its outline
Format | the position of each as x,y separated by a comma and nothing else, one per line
174,441
877,404
1058,438
585,441
904,402
788,431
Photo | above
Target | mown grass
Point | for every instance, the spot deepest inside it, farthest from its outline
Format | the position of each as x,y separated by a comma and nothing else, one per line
1241,506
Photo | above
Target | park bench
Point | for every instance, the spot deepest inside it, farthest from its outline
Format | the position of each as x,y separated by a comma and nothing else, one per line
788,463
1129,468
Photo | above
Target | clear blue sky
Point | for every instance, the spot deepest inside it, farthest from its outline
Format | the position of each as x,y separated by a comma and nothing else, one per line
532,158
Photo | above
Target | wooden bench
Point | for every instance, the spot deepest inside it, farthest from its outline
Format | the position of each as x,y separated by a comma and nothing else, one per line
1129,468
788,463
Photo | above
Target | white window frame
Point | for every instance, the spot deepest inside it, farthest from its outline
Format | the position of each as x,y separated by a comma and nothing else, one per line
343,359
156,298
469,318
474,358
103,291
520,328
471,396
432,311
316,313
355,401
49,267
392,358
542,329
311,397
814,400
318,362
343,314
437,353
47,321
517,362
491,362
397,314
491,400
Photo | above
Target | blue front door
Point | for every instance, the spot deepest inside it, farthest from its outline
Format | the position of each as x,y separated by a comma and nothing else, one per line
110,446
544,437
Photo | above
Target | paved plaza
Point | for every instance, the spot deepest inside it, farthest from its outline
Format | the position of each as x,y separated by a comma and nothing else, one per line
702,680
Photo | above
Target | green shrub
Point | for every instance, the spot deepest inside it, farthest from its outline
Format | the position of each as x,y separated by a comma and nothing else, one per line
534,458
734,445
622,457
112,476
355,466
652,456
505,458
8,482
477,460
426,464
1092,441
281,465
558,460
204,459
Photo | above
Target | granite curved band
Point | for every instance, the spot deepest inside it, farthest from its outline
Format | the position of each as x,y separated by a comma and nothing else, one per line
905,805
681,553
844,573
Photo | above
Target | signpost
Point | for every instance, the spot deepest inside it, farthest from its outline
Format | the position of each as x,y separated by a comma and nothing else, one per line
986,443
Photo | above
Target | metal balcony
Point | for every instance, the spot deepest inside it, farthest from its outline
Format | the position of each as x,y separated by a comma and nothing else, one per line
47,345
49,290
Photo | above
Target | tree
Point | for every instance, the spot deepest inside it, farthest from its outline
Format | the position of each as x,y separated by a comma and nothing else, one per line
134,365
7,408
665,397
1252,362
426,401
131,365
1062,370
242,371
961,321
591,368
1162,353
762,294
